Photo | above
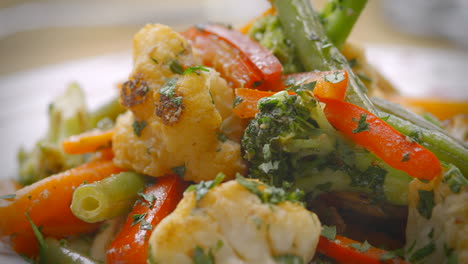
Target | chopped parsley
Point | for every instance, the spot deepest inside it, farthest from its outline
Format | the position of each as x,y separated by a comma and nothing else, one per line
196,69
155,60
329,232
202,188
310,86
8,196
372,178
269,194
137,218
221,137
361,247
362,125
392,254
406,157
237,101
454,178
200,257
168,90
176,67
288,259
179,170
36,231
144,225
148,197
426,203
335,77
423,252
138,126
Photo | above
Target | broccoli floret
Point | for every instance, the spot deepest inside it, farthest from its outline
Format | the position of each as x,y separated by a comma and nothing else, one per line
269,33
67,116
290,140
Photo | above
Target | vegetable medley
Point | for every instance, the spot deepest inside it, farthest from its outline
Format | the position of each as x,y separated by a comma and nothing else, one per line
258,145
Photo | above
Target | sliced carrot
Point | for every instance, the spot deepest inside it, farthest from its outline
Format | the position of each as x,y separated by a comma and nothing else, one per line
382,139
247,107
48,202
88,142
165,195
245,29
442,109
324,87
341,249
25,244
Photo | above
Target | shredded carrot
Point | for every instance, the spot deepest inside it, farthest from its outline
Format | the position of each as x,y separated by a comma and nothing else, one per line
88,142
48,202
245,29
442,109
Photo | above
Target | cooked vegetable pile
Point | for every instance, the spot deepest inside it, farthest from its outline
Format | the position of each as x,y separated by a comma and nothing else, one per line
258,145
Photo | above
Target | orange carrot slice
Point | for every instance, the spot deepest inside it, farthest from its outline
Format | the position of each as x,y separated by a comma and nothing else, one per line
88,142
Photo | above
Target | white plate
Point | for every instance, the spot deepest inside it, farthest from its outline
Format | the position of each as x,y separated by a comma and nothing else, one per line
25,95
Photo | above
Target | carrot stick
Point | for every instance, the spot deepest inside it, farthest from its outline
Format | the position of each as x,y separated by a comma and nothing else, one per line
25,244
48,202
88,142
442,109
245,29
345,250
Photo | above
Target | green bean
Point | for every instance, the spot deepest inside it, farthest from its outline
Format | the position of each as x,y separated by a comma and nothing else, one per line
109,110
444,147
339,17
106,199
54,252
316,52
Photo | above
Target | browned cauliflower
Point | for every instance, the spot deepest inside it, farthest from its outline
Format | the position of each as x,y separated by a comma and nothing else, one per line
176,119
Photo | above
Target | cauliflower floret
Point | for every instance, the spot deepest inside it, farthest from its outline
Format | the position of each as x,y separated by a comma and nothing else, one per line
437,229
174,119
230,224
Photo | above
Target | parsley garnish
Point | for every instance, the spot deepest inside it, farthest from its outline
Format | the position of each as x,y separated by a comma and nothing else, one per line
155,60
362,124
426,203
288,259
310,86
405,158
36,231
179,170
202,188
335,77
168,89
176,67
237,101
221,137
144,225
361,247
454,178
423,252
392,254
137,218
138,126
269,194
200,257
8,196
329,232
148,197
196,69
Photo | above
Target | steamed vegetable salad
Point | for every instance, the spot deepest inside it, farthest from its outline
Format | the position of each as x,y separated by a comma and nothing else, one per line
287,158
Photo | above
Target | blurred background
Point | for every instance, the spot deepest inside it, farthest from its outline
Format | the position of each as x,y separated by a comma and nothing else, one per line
421,46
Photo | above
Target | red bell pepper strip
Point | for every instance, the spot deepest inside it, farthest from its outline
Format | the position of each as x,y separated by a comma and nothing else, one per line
394,148
341,249
131,244
247,107
240,60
